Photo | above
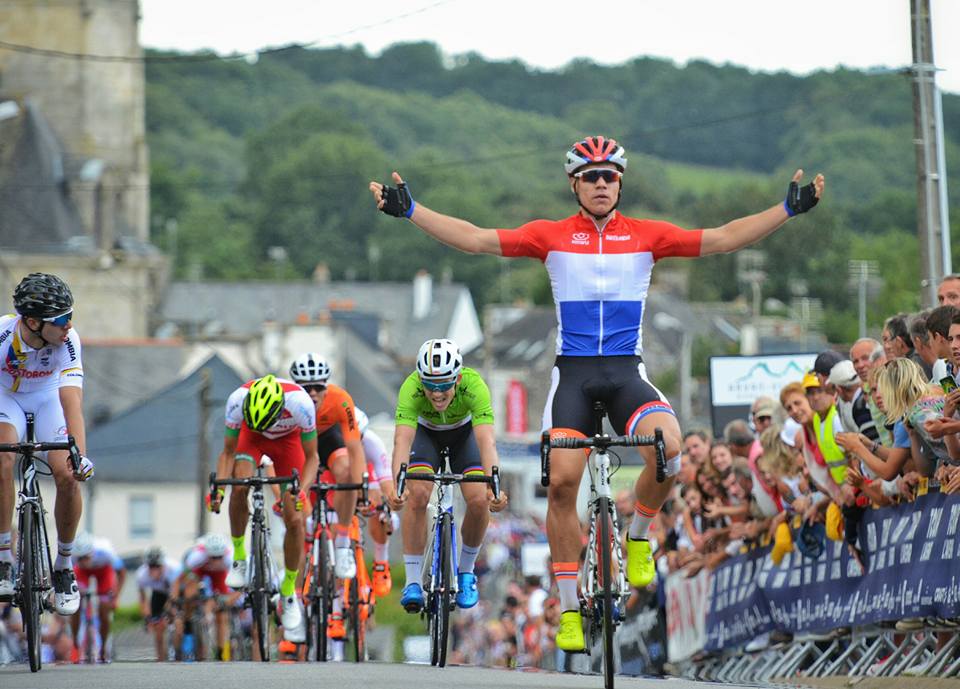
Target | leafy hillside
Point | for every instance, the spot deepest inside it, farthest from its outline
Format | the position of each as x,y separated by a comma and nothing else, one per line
247,157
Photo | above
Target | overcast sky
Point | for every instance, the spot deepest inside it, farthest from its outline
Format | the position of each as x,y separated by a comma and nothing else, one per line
769,35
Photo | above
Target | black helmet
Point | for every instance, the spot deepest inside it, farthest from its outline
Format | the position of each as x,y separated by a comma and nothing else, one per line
41,295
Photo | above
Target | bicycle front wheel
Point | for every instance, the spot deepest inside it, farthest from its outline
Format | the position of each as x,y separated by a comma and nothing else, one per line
31,588
605,580
443,597
259,595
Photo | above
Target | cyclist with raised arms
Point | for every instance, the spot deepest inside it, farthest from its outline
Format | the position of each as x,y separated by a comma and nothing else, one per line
443,404
274,417
41,374
600,264
338,444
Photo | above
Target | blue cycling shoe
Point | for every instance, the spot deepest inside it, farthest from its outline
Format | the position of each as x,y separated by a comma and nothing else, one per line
468,595
412,597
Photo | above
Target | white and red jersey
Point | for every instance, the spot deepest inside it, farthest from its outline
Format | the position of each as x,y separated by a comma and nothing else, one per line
103,555
299,413
376,455
25,369
599,277
197,559
164,579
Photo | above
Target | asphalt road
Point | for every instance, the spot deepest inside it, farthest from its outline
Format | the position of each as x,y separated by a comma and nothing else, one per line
122,675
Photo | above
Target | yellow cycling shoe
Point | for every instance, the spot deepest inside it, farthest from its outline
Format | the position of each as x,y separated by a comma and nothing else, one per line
570,634
640,568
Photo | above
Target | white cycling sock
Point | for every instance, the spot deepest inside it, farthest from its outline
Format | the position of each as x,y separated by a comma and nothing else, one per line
468,558
381,552
643,517
413,564
64,552
6,554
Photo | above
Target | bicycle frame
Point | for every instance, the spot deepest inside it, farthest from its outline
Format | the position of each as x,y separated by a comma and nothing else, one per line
34,564
443,585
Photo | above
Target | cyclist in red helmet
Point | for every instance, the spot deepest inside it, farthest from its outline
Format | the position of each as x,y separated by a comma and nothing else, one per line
600,264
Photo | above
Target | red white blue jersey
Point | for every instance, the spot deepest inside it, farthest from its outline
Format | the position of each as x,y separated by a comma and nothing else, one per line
599,277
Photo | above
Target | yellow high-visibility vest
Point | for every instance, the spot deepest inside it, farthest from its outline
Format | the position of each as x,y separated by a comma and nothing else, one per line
832,453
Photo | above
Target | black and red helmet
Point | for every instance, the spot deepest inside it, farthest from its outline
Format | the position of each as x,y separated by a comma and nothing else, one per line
595,149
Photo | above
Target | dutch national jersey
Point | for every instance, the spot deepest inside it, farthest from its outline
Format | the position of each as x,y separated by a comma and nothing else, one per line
599,278
298,412
25,369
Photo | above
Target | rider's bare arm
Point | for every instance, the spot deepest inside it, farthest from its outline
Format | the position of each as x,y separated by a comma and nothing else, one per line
748,230
71,399
455,232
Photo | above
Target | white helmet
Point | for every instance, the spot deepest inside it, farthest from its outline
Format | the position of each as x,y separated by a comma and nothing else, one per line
439,360
83,544
215,545
362,420
310,369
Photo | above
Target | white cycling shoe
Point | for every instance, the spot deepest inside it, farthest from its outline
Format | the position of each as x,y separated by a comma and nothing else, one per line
291,617
237,577
344,563
66,594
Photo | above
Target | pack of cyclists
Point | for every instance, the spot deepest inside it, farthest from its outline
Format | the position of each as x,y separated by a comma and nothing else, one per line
600,264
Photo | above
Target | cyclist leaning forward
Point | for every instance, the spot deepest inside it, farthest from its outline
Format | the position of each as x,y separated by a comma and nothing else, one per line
443,404
338,442
600,263
274,417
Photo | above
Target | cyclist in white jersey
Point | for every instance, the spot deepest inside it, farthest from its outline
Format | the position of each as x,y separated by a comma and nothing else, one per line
41,374
155,578
381,480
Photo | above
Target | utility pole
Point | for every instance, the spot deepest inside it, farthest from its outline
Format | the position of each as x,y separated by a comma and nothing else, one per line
933,227
203,473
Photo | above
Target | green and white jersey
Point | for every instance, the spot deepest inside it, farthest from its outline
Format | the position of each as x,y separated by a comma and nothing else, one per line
471,403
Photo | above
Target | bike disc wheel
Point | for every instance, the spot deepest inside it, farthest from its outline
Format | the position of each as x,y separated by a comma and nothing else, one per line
30,589
445,599
259,597
606,591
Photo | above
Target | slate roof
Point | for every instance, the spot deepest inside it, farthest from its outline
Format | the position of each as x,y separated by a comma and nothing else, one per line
119,375
157,441
240,308
36,212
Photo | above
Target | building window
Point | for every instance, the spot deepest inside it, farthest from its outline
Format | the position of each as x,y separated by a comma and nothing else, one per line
141,516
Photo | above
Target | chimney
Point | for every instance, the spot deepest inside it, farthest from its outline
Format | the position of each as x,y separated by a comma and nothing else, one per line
321,274
422,294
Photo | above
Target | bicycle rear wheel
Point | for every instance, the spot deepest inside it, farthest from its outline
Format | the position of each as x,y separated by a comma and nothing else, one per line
606,591
259,599
31,593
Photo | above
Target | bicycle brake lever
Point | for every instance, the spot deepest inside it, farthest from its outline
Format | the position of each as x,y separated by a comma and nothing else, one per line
74,454
401,479
495,474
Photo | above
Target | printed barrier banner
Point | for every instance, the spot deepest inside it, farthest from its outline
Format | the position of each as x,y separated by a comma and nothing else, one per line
686,603
911,573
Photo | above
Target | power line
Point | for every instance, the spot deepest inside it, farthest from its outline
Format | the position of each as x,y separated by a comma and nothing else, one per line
208,57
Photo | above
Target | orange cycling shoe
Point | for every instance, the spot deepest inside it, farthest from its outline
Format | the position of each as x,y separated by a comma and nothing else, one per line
382,583
335,628
286,647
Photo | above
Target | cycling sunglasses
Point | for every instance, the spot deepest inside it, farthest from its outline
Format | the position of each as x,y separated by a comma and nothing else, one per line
593,176
438,387
317,387
60,321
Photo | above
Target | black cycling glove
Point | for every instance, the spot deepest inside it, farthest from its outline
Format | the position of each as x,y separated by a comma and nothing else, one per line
397,201
800,199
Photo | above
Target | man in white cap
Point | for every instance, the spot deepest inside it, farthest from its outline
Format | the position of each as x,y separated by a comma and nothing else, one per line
851,402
